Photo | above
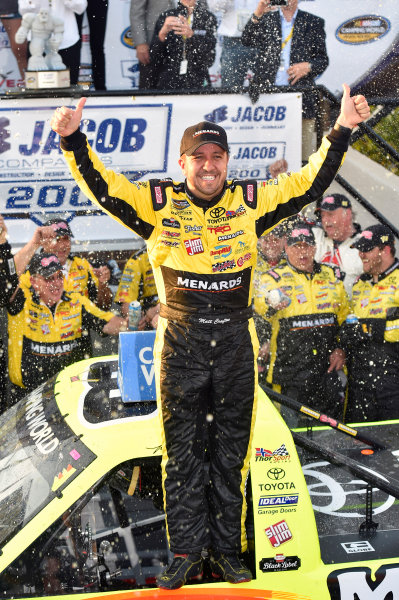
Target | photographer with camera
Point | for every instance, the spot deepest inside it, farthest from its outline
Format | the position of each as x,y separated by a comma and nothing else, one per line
292,51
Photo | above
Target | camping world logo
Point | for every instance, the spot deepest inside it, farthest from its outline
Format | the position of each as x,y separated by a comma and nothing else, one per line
281,454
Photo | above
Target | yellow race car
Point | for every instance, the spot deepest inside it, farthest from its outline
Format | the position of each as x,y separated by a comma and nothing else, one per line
81,508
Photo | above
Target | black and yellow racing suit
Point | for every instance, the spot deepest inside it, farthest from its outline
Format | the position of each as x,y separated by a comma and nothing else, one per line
304,334
137,281
373,348
203,254
43,341
262,326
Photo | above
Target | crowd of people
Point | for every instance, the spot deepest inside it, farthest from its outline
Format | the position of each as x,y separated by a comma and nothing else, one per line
326,309
175,41
310,275
56,300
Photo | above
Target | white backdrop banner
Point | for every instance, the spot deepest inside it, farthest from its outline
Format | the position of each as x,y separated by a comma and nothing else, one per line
137,136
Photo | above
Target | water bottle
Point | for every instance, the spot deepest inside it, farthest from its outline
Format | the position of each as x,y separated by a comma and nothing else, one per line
134,315
351,319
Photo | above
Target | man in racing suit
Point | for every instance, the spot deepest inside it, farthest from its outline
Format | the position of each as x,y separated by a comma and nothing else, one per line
137,283
270,254
304,304
372,343
206,346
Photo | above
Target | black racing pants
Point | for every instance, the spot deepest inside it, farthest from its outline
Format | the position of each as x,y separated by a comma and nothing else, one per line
206,382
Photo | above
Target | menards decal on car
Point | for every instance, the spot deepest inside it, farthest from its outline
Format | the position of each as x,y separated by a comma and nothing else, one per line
348,584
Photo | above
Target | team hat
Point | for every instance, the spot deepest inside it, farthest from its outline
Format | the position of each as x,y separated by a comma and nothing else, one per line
61,228
301,232
373,236
200,134
44,264
334,201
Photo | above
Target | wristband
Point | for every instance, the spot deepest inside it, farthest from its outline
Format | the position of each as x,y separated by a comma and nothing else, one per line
255,17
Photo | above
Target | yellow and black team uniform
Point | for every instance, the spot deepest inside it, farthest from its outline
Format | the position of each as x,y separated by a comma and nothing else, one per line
203,255
303,335
78,277
137,281
373,348
261,325
43,341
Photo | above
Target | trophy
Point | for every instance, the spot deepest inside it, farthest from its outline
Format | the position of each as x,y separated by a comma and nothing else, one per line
45,66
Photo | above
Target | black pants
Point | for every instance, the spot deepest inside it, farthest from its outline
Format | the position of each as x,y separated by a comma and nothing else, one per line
372,402
324,393
206,375
71,58
97,16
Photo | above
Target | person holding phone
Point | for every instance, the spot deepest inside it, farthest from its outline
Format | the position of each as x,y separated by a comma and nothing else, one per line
292,51
183,46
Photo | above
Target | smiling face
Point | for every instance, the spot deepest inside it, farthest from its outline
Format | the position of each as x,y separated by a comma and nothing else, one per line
205,170
377,260
301,256
49,289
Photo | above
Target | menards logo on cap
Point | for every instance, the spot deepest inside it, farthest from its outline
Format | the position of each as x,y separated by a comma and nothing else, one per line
201,131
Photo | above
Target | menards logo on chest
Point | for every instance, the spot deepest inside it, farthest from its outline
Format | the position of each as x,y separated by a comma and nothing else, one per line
198,284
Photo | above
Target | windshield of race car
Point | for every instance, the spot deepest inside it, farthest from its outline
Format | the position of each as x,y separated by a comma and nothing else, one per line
39,455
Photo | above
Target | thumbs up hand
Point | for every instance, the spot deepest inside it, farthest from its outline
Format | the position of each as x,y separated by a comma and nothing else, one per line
354,109
66,121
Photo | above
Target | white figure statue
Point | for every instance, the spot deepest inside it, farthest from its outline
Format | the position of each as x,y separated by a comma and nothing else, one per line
46,36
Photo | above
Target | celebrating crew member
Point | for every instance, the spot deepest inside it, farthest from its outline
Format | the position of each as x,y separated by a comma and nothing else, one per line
373,340
137,283
206,346
304,304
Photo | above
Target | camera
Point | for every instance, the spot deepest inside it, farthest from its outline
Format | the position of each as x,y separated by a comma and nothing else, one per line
278,2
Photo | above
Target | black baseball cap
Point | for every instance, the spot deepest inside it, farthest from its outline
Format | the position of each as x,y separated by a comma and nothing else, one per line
278,231
44,264
61,227
334,201
373,236
200,134
301,232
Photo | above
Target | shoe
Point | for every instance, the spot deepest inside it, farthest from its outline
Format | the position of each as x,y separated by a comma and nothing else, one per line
182,568
230,567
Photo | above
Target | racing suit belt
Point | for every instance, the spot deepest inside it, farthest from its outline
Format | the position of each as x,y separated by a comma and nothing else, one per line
200,318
